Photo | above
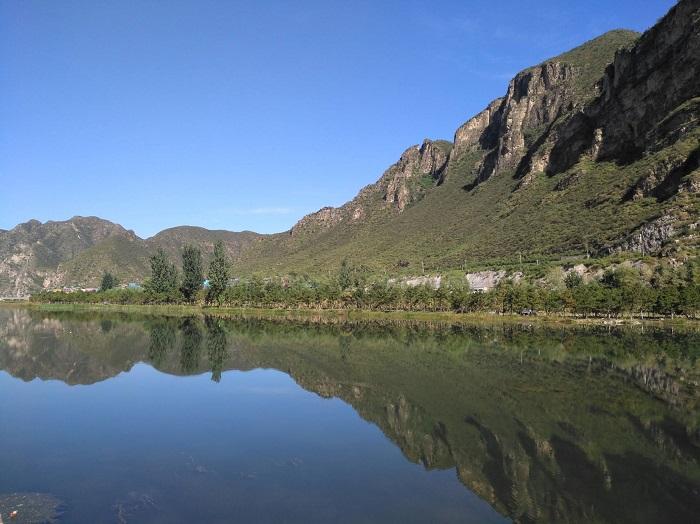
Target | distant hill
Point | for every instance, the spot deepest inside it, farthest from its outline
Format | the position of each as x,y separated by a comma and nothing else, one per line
594,151
172,240
77,251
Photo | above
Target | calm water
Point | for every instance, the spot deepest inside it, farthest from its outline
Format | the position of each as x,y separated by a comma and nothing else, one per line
155,419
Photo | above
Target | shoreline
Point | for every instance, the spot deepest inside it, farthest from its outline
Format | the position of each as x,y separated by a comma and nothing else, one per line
350,315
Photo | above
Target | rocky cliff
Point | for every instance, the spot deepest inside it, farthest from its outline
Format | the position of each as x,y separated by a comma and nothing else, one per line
591,150
419,168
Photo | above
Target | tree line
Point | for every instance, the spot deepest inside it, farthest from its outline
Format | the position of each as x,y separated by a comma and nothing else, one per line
166,285
618,292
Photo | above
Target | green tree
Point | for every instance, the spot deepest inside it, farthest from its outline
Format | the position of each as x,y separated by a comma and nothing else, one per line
192,273
219,271
690,300
573,280
163,274
345,275
109,281
668,300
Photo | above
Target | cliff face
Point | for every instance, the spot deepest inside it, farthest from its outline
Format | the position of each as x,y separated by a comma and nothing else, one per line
648,100
503,131
596,149
535,98
419,168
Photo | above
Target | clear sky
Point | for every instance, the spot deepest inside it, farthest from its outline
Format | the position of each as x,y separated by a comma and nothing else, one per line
247,115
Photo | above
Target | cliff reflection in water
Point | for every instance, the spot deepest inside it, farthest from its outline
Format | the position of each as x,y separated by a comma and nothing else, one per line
546,424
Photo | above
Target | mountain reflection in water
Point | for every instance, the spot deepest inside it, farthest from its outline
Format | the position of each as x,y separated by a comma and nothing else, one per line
543,424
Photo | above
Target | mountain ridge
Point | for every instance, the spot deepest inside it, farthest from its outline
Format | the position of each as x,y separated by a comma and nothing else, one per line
75,252
474,220
596,150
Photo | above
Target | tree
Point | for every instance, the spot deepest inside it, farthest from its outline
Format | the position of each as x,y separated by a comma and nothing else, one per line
218,274
573,280
163,274
192,273
668,300
345,275
109,281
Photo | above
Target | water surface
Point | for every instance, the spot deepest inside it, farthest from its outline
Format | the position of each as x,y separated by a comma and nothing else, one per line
161,419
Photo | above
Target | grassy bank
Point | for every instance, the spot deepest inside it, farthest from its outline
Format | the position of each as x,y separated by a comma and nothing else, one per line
354,315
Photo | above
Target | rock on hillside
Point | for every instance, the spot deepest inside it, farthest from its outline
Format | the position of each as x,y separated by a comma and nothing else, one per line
536,98
649,99
419,168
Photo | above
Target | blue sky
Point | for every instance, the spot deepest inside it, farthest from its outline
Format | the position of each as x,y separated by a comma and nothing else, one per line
247,115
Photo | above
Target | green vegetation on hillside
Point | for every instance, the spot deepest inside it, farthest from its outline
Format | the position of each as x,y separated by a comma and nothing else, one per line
589,209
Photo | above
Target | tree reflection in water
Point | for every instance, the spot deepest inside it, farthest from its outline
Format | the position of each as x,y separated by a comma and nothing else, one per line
546,423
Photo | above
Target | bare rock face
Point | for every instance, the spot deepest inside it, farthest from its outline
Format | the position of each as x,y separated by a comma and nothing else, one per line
428,160
644,96
323,218
400,185
470,133
535,98
485,280
649,238
517,132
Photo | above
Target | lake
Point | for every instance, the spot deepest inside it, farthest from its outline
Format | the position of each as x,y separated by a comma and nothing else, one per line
153,419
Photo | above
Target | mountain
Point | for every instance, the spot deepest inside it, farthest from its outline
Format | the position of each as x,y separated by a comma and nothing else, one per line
172,240
77,251
31,252
595,151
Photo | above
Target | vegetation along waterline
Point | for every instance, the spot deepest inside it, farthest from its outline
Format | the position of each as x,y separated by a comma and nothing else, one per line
620,292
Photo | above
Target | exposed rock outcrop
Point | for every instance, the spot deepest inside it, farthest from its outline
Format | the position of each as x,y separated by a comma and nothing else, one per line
649,238
536,97
418,168
643,93
471,132
427,160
